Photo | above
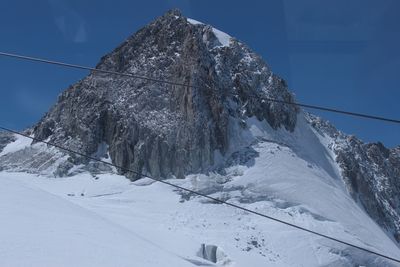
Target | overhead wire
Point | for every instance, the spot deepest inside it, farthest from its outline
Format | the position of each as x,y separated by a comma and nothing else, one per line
217,200
132,75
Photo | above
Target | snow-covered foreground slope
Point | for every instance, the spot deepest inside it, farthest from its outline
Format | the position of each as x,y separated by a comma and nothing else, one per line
39,228
106,220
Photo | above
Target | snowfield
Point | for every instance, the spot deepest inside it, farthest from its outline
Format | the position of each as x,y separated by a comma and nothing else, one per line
39,228
107,220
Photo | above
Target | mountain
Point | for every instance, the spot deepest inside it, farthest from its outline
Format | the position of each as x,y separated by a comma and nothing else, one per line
214,128
164,129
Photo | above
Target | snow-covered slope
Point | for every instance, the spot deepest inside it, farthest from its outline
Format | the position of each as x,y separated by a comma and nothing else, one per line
109,221
40,228
370,171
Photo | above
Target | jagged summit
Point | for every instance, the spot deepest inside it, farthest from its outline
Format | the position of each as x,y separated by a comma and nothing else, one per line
166,129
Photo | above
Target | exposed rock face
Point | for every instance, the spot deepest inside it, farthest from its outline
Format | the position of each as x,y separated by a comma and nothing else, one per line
165,129
371,173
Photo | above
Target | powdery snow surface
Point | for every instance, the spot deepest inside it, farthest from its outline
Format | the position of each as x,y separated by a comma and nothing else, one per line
40,228
109,221
223,37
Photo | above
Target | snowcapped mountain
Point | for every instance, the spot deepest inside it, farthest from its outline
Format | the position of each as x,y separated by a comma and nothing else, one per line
219,133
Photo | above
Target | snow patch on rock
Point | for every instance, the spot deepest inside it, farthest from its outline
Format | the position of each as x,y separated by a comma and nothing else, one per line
194,22
222,37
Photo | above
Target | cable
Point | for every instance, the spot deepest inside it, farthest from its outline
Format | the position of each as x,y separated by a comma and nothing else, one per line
74,66
131,75
366,116
203,195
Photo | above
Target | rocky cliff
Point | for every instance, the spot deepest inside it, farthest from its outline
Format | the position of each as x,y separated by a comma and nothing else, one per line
165,129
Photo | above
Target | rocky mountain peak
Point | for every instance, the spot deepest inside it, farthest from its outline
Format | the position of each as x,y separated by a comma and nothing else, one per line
167,129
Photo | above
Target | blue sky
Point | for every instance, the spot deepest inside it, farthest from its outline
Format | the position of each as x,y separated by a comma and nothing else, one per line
342,54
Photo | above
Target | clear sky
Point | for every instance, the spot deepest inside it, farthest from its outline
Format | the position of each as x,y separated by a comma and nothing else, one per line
343,54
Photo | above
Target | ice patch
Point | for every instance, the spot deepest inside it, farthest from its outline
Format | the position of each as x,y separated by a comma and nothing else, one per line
223,38
102,153
214,254
194,22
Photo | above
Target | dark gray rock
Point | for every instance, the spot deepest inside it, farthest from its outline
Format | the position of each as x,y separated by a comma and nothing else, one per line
164,129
